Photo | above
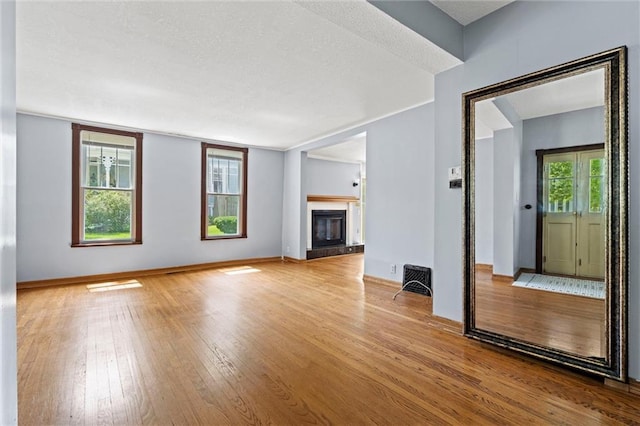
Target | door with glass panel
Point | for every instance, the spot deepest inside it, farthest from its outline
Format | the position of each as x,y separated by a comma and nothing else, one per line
590,224
573,213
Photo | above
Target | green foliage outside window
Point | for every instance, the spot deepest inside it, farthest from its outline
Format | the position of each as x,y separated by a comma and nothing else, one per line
107,212
223,214
596,180
560,185
226,224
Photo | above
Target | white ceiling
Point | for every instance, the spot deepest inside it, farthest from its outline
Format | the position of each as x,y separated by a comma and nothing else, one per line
351,150
272,74
489,119
467,11
573,93
568,94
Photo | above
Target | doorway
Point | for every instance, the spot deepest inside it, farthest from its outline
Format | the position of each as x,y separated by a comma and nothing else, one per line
571,210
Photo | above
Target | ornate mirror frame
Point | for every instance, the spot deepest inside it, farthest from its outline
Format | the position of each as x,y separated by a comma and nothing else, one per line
614,364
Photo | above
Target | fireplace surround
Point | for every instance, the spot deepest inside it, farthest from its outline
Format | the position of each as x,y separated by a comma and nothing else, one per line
344,234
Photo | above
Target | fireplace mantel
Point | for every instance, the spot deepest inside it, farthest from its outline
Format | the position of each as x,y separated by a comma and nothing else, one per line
332,198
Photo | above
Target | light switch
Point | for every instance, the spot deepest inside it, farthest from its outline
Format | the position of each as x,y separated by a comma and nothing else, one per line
455,177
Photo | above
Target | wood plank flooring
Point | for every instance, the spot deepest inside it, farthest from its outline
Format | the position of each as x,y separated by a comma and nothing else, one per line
574,324
284,344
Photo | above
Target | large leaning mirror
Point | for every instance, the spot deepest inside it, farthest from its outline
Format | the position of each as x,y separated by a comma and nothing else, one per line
545,217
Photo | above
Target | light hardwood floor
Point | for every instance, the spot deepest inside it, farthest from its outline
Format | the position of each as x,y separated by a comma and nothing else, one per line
573,324
288,344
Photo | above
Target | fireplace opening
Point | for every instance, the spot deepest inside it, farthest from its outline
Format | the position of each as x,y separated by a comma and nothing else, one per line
328,228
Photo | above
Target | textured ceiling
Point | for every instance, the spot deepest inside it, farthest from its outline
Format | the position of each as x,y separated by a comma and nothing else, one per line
273,74
467,11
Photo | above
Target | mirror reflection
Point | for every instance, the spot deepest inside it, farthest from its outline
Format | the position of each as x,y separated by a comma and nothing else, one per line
540,214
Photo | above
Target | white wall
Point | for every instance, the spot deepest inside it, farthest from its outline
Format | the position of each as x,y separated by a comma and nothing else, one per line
523,37
515,197
326,177
447,261
399,212
294,233
484,200
584,127
8,339
294,202
503,187
332,178
498,204
171,207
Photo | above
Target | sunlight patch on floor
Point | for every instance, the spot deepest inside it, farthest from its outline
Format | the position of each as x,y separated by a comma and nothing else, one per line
239,270
113,285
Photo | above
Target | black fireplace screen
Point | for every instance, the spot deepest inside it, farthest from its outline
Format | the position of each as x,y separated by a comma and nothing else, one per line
328,228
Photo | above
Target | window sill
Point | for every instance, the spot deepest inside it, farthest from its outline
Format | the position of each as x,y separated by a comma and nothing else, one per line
107,243
223,237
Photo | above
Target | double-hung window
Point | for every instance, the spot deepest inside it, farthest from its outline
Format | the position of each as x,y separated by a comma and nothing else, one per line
107,186
224,192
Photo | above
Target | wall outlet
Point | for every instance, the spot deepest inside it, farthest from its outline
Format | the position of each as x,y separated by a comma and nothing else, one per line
288,249
393,269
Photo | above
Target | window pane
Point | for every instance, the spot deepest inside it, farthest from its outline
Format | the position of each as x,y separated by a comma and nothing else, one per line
233,177
108,160
123,169
560,195
91,165
107,215
561,186
596,185
223,214
596,166
107,167
560,169
124,177
223,175
595,194
216,171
